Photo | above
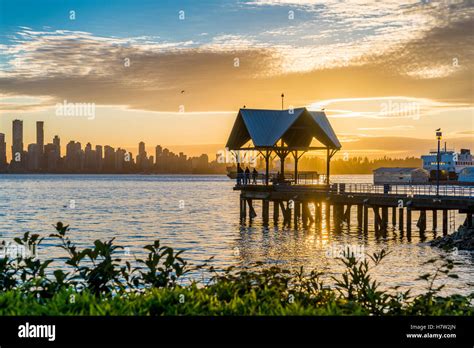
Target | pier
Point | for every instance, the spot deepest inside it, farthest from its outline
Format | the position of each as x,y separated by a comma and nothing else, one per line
303,205
297,202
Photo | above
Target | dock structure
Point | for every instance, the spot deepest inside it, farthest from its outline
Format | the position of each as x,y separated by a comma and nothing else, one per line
305,204
280,133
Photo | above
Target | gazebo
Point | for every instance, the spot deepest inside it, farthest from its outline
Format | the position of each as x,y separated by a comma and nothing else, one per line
283,132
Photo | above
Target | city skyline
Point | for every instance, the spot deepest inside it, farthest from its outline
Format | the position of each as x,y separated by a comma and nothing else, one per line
407,147
73,158
381,70
76,157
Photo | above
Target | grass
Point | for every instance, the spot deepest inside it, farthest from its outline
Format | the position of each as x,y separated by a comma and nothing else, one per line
104,285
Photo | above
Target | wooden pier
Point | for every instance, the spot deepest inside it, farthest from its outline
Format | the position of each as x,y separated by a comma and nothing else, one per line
280,133
388,205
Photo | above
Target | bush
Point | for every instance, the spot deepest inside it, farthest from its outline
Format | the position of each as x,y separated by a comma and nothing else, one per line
98,283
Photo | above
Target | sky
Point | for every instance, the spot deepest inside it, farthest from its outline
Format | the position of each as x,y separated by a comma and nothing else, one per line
387,73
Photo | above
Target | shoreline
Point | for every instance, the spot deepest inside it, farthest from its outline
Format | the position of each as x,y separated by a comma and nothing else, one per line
445,183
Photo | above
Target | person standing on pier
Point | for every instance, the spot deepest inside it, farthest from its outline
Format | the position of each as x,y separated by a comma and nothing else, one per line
240,174
254,176
247,176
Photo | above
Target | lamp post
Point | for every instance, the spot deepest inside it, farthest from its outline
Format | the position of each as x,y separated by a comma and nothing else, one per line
438,136
282,98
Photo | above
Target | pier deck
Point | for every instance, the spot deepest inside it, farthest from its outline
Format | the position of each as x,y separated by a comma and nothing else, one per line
294,201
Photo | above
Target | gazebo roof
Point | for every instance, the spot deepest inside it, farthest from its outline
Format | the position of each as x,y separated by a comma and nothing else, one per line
297,128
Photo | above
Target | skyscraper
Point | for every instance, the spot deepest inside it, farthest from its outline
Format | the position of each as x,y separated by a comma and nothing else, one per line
142,160
98,154
119,159
3,152
109,159
57,142
51,157
74,156
40,143
40,135
33,157
141,147
17,141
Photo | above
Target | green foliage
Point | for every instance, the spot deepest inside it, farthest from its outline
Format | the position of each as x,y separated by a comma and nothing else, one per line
98,283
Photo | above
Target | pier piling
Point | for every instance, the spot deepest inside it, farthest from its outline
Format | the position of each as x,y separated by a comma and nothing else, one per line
366,218
421,224
445,221
359,215
265,210
384,223
408,221
252,213
276,212
298,197
400,218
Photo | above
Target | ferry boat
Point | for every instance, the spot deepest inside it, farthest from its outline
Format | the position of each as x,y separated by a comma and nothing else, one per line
451,163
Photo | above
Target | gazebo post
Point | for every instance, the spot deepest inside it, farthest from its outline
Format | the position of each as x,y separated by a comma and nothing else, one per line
267,160
282,162
282,166
296,166
327,167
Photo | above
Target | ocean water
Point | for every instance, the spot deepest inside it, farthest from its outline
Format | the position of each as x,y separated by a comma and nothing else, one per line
200,214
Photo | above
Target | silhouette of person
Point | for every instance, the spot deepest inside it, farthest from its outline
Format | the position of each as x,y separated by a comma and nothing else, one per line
240,174
247,176
254,176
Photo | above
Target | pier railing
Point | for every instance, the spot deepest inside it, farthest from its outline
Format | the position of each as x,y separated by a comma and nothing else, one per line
409,190
366,188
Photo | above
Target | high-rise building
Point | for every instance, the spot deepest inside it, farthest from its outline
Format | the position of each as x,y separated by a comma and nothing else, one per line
142,160
40,143
3,152
17,141
74,156
158,152
120,159
128,165
57,142
33,163
109,159
90,158
158,158
51,154
99,156
40,135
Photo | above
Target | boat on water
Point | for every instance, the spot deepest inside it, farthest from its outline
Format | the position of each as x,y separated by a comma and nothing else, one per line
451,163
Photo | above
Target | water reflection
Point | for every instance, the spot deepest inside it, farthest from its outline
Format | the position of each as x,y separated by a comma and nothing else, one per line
201,214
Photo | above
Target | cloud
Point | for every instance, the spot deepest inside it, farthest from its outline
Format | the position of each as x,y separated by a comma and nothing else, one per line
399,127
356,49
404,146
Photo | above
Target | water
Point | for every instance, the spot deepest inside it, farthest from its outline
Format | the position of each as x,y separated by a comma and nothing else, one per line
201,215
